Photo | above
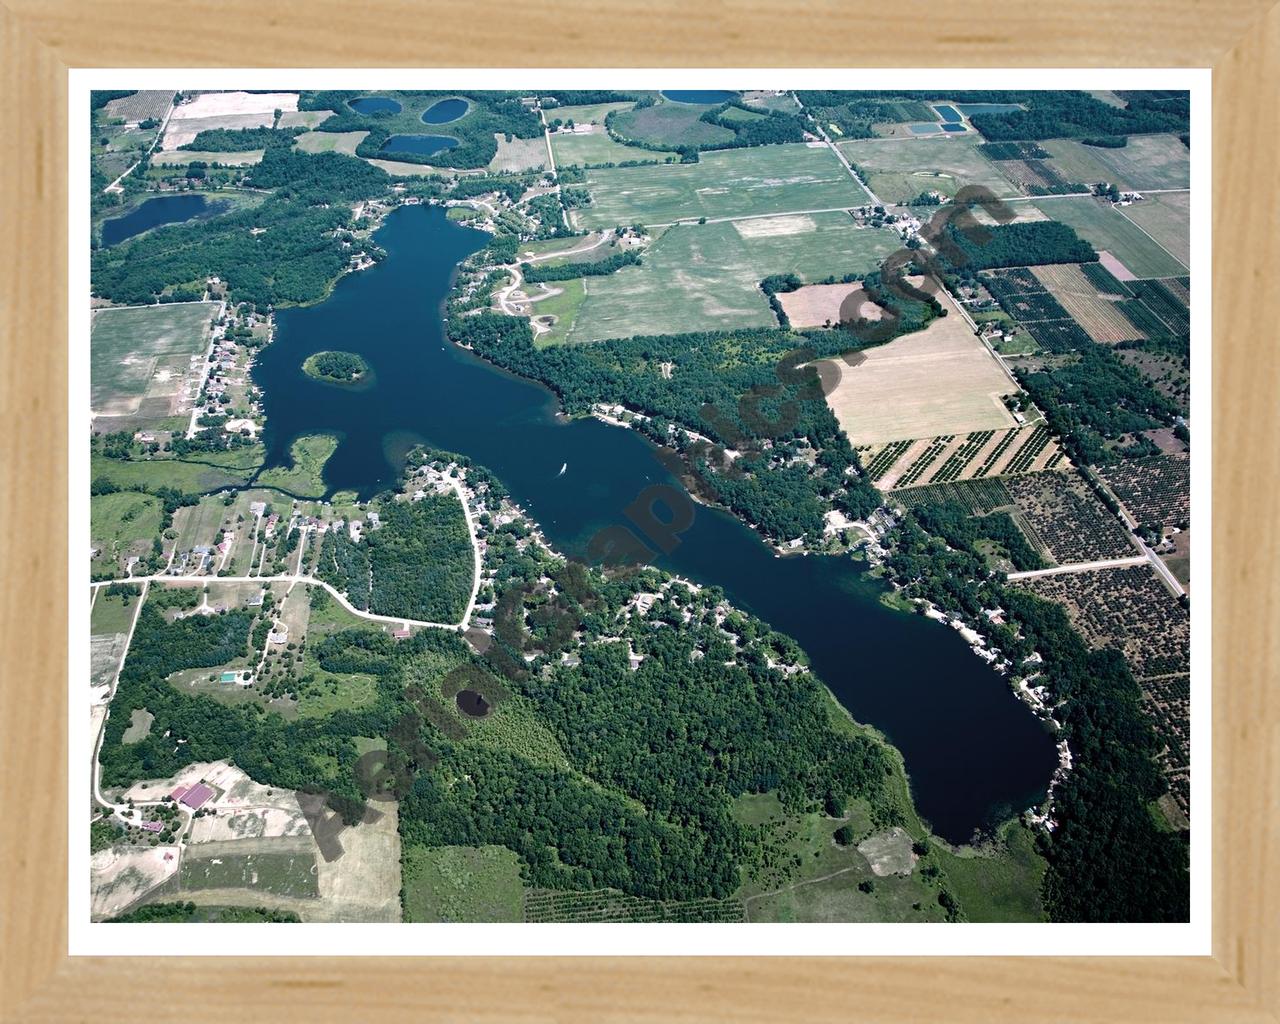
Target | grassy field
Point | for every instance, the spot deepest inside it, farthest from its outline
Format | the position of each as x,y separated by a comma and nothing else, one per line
519,154
941,380
212,471
599,148
140,356
898,171
304,118
201,523
732,183
111,615
669,124
461,883
329,142
586,113
121,520
1146,161
280,866
1000,884
305,478
561,311
1166,217
182,157
1104,227
706,277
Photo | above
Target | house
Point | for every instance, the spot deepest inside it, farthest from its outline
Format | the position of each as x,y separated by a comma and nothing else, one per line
151,826
256,508
195,797
255,600
279,634
401,634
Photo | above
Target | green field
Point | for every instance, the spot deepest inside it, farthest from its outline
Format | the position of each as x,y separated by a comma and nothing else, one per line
111,615
1001,884
898,171
670,125
461,883
707,277
209,472
182,157
139,356
1104,227
305,478
119,521
1145,161
1166,217
519,154
564,306
329,142
732,183
289,872
599,148
586,113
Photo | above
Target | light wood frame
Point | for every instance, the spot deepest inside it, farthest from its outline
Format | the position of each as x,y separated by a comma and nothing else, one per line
41,39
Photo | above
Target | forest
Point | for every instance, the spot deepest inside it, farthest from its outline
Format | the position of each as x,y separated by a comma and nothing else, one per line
1032,243
339,366
239,140
418,563
285,251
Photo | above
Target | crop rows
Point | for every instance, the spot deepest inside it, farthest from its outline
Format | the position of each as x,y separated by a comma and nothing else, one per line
917,470
1059,335
1031,448
1102,279
978,497
1141,316
1161,301
996,452
885,459
960,458
552,905
1013,151
1009,282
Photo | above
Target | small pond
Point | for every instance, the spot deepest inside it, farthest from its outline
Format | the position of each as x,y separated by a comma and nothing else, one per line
423,144
158,211
947,113
445,111
969,109
707,97
923,129
471,703
954,128
375,105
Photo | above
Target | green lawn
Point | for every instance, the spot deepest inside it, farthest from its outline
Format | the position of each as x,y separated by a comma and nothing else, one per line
899,170
1105,227
707,276
731,183
461,883
305,478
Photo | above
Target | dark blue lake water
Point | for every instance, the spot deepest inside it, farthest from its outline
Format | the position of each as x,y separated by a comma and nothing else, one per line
445,111
152,213
969,109
973,751
947,113
709,97
424,144
375,105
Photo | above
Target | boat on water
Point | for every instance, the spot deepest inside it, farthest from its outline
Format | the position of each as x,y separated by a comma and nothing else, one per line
562,469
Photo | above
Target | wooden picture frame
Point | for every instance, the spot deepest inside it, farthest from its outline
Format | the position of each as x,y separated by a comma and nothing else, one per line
42,39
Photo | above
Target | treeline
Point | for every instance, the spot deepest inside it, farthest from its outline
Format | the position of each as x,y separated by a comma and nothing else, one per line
853,113
1033,243
1096,399
567,271
234,140
952,522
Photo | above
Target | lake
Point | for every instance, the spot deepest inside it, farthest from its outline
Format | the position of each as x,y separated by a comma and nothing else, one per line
974,752
706,97
424,144
445,111
375,105
158,211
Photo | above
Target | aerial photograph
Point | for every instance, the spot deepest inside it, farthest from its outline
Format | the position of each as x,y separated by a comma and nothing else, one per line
734,506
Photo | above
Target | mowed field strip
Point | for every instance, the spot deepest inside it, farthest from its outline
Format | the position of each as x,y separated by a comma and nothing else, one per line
702,277
1145,161
1098,317
941,380
899,170
729,183
145,352
1105,227
1166,217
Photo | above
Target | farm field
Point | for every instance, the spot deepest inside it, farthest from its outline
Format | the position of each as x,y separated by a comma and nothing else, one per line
519,154
898,171
816,305
949,459
1105,228
707,277
1073,524
733,183
1146,161
142,357
212,110
936,381
121,524
182,157
1100,318
304,118
586,113
597,147
669,124
555,315
1166,217
141,106
329,142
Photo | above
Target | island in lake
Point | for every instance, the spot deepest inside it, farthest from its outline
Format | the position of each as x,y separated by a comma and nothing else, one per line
336,367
